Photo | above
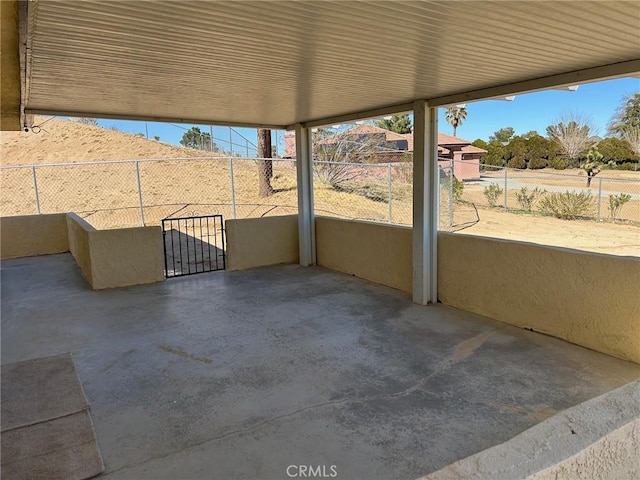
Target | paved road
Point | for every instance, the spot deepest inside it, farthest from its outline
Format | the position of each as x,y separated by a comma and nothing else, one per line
515,182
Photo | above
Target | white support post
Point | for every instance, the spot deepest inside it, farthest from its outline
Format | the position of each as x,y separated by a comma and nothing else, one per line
425,204
306,220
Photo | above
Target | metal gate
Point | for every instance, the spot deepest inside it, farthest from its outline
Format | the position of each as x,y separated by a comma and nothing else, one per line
193,245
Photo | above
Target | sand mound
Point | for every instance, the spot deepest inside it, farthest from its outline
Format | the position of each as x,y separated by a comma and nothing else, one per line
70,141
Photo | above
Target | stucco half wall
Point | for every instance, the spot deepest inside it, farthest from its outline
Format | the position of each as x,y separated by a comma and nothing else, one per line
599,438
116,258
257,242
126,256
78,230
373,251
32,235
586,298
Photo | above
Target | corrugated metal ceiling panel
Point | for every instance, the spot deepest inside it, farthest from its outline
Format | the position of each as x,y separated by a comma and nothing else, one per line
281,62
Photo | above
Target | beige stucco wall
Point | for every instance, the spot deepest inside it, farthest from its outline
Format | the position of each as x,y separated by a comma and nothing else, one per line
9,66
586,298
373,251
256,242
599,439
127,256
31,235
116,258
78,232
616,455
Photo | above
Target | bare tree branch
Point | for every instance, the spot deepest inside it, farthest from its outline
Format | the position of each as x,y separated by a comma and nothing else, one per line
573,133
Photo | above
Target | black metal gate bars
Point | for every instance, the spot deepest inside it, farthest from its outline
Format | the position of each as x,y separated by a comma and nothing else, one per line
193,245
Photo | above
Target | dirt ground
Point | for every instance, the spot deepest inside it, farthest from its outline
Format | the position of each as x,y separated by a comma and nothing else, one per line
107,194
604,237
66,141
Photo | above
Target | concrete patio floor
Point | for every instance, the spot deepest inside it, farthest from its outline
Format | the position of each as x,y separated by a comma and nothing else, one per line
239,375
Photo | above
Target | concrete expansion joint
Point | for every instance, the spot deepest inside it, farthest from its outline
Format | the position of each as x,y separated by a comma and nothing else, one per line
231,433
239,431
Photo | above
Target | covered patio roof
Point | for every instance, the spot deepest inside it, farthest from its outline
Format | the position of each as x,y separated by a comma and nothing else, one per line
281,63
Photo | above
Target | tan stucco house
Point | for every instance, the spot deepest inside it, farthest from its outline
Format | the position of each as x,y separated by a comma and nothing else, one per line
393,147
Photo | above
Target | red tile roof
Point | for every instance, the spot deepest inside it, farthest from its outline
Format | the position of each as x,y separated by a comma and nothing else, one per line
444,140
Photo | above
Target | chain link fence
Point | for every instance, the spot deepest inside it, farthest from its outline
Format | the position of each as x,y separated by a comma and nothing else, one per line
129,193
365,191
611,196
116,194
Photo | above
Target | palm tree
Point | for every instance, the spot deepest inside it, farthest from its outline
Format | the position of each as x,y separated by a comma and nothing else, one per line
455,116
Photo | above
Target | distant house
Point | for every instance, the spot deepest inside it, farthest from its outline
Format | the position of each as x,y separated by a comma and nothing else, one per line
393,147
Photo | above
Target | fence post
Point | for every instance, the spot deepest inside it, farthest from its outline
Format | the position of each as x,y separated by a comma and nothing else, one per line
233,188
35,188
390,192
451,176
231,142
506,190
439,171
140,193
599,197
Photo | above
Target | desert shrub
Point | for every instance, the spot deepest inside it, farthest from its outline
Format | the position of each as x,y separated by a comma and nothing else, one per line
492,192
336,174
568,205
616,202
528,199
626,166
517,162
559,163
457,188
536,163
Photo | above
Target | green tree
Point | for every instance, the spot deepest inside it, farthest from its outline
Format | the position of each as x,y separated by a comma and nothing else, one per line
539,151
86,121
455,116
593,165
397,123
478,142
530,134
496,154
194,138
616,149
516,153
627,115
504,135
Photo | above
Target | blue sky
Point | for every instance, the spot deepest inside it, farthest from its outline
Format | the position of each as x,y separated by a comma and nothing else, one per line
534,111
